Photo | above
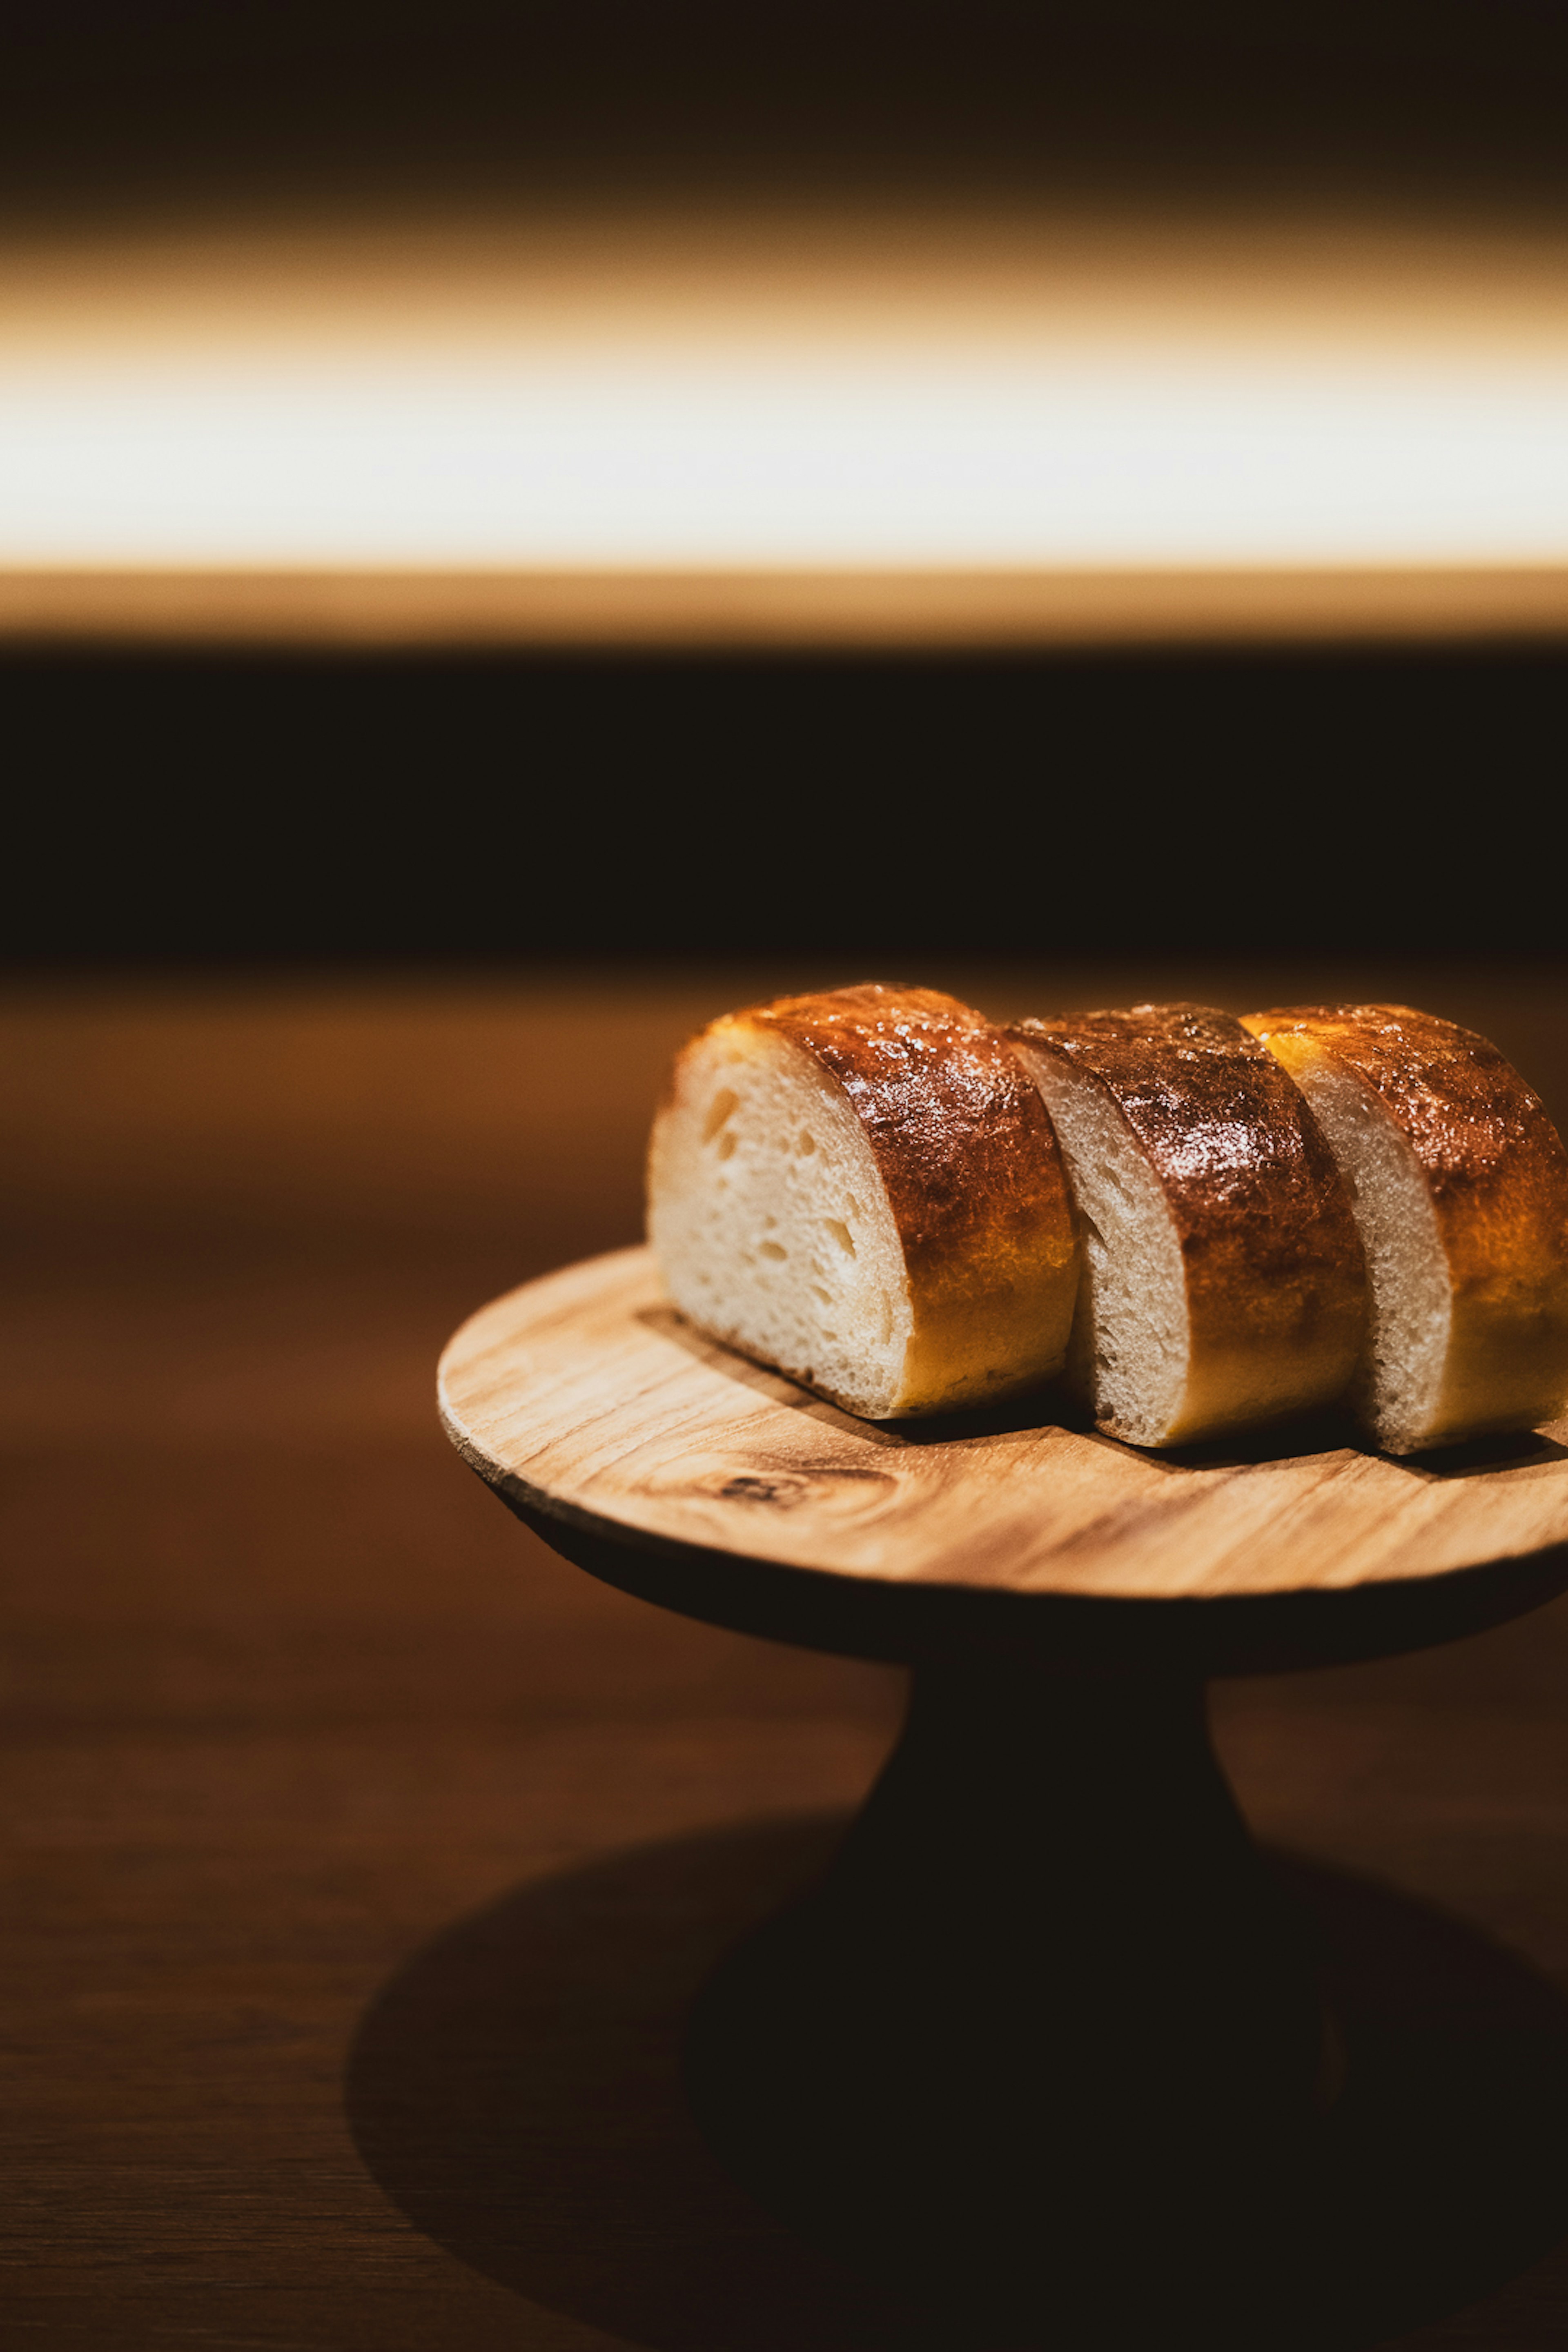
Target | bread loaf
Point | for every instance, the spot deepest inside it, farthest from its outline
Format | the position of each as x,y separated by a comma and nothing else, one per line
1223,1281
862,1188
1459,1185
1256,1218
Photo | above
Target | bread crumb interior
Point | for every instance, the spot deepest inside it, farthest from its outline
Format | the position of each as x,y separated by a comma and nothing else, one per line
1129,1348
1400,1382
771,1220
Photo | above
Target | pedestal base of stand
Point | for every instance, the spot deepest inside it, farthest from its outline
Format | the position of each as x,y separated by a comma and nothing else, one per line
1047,2043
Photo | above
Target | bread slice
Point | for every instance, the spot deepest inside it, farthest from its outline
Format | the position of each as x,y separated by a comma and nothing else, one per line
862,1189
1459,1184
1223,1281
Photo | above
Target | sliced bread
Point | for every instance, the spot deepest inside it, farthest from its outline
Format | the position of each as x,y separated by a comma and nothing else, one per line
1459,1185
862,1188
1223,1280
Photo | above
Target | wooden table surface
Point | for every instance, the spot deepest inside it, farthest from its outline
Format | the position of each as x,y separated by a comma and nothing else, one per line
362,1853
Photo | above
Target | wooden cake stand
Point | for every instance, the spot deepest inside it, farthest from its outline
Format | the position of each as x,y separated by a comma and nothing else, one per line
1050,2035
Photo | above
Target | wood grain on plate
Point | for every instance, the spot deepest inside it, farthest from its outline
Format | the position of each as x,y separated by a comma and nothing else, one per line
585,1392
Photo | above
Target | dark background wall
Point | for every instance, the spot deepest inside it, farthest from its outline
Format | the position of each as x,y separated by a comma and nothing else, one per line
494,809
1436,98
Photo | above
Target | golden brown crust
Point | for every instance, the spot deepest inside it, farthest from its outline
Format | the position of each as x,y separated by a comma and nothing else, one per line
975,1179
1498,1176
1275,1277
961,1137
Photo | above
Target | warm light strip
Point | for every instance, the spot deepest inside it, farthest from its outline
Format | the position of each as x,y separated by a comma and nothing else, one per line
1046,398
904,609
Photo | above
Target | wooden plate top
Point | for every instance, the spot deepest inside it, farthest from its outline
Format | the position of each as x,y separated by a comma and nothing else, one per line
584,1396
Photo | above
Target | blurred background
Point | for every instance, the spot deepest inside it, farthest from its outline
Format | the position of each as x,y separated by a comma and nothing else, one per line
524,527
460,467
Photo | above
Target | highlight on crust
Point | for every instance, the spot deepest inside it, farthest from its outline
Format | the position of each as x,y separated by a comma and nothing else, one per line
1200,1224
